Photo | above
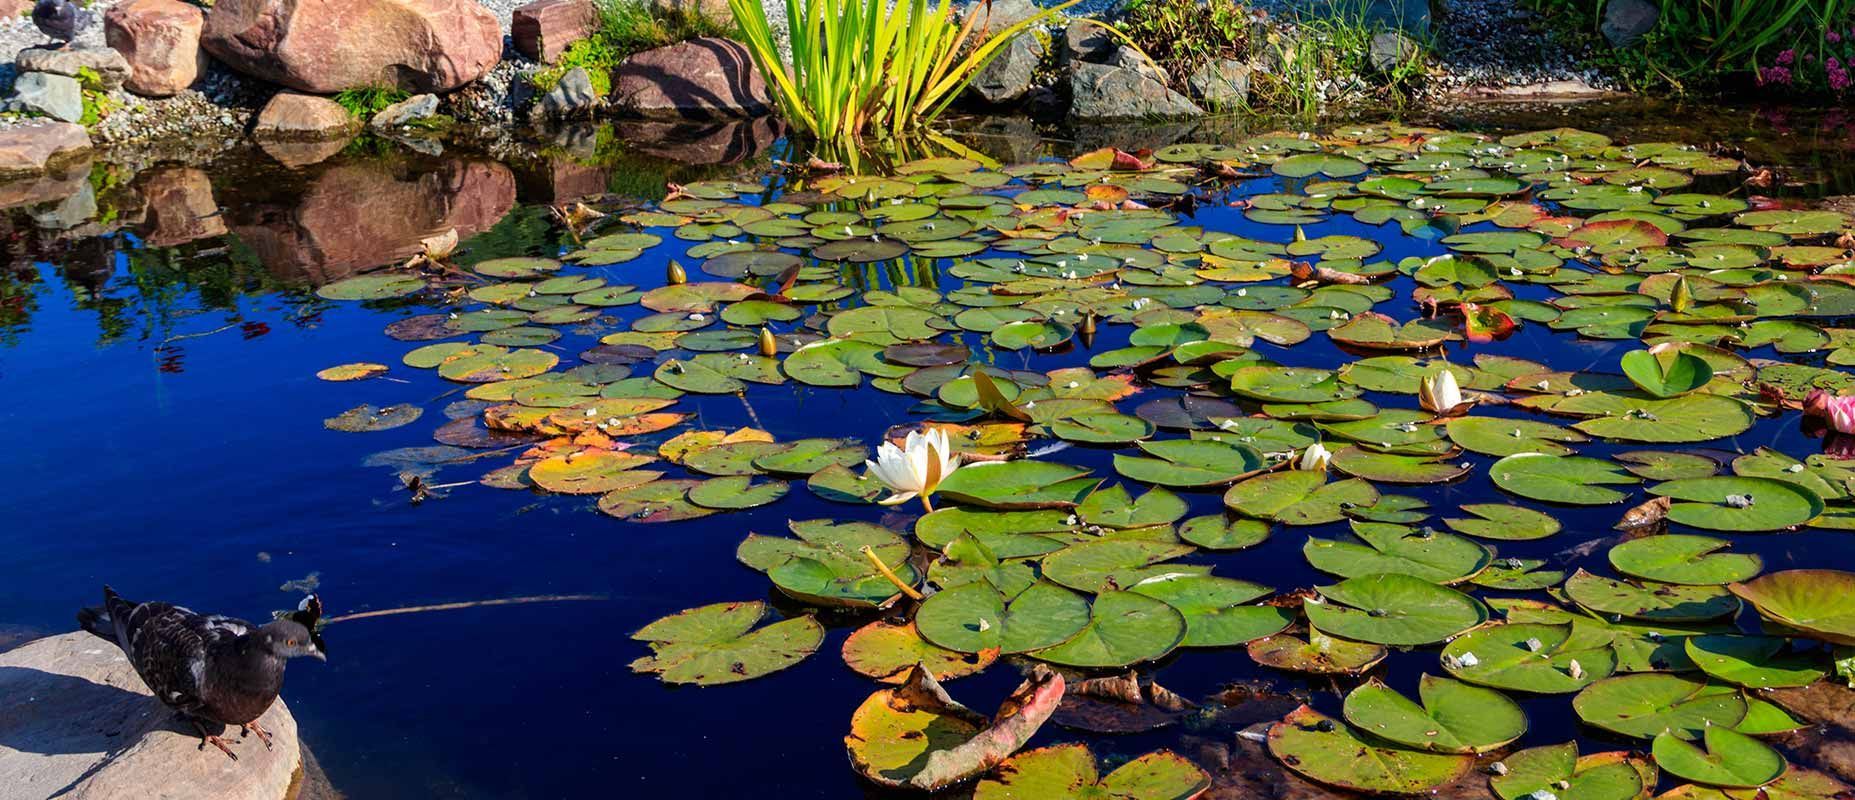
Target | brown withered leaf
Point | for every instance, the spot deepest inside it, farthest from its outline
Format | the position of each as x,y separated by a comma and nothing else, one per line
1304,272
915,736
1120,704
1646,515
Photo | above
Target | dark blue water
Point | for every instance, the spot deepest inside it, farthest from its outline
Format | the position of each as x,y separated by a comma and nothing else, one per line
164,434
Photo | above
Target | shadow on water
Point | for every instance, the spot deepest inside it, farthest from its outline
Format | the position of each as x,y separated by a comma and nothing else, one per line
157,344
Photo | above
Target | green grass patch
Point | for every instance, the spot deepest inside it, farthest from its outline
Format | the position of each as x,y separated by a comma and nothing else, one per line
625,27
366,101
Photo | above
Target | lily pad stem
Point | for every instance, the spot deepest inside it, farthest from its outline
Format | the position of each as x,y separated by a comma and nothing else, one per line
890,574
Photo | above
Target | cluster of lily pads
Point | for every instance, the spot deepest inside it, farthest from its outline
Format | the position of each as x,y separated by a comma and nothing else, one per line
1065,572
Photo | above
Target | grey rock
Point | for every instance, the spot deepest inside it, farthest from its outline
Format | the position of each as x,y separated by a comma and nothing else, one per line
1129,58
77,722
1221,84
1003,13
1008,78
1103,91
1627,21
1086,42
111,68
1388,50
405,112
56,96
573,96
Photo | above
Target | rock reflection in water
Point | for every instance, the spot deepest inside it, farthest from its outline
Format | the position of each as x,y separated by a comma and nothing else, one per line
351,216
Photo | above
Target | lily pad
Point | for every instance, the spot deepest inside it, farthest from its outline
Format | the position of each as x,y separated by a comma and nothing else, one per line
717,644
1338,754
1454,717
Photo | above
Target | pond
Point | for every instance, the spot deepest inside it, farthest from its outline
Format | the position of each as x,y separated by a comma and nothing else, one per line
169,433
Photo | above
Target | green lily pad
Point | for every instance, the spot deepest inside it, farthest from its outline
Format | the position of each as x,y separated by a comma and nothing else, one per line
976,617
1190,463
1315,653
1755,662
1647,600
1532,657
1504,522
1298,497
1811,601
1388,548
1123,628
1104,564
1337,754
717,644
826,564
1645,705
1738,504
1679,558
1068,772
1731,759
1394,609
1025,484
1561,772
1573,480
1217,611
1454,717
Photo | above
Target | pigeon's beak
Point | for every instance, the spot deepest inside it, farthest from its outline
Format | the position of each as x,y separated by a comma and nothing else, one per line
319,656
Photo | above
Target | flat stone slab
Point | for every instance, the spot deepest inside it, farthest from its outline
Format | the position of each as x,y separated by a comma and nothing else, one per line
76,722
32,147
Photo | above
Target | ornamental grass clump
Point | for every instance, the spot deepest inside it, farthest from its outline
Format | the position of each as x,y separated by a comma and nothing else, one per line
871,67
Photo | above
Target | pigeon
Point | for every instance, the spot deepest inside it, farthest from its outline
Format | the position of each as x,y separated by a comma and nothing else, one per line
58,19
210,668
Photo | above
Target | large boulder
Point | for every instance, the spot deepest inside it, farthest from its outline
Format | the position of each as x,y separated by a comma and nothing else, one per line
70,61
292,115
76,721
1123,91
160,40
34,147
1010,75
707,78
325,46
544,29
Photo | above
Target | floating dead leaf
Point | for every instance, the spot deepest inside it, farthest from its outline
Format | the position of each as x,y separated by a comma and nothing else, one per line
915,736
1120,704
1646,515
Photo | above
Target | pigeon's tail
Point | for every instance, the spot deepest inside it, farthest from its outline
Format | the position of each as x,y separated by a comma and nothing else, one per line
99,620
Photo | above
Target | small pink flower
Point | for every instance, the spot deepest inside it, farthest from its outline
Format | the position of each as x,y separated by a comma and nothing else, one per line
1786,57
1833,38
1778,75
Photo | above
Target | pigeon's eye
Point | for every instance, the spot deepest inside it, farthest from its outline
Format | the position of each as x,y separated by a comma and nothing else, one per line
291,642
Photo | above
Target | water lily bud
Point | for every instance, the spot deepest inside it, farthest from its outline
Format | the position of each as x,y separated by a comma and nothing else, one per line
768,347
676,274
1316,457
1679,296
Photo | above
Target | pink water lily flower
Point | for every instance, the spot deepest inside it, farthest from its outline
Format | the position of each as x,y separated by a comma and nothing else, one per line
1838,412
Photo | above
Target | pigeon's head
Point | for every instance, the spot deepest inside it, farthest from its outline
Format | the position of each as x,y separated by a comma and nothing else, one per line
287,638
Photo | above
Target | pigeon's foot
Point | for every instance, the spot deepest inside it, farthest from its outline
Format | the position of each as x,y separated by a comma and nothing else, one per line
207,738
263,735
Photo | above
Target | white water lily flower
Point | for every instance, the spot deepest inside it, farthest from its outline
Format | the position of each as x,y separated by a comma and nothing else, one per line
1316,457
916,468
1439,393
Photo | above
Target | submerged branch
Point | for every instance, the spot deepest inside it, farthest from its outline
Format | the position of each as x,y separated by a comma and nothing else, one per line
509,601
